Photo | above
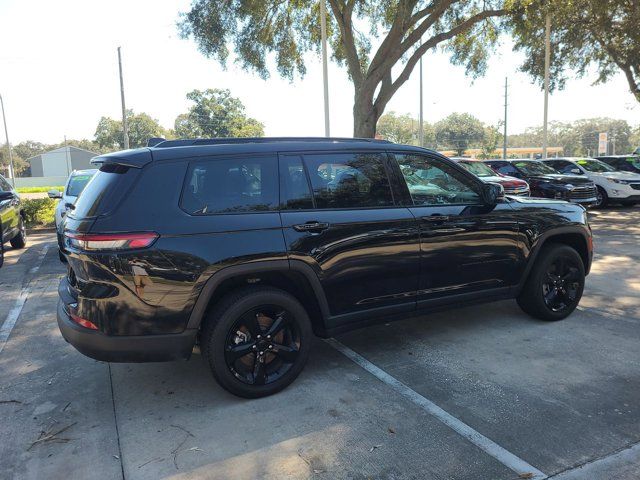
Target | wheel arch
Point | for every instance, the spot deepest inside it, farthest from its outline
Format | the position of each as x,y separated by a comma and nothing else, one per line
576,238
294,277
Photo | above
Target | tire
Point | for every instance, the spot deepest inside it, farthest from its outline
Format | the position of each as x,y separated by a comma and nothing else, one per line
20,240
1,250
546,277
235,335
602,198
61,256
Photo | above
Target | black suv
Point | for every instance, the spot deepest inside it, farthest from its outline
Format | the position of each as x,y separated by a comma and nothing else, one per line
248,247
12,220
545,182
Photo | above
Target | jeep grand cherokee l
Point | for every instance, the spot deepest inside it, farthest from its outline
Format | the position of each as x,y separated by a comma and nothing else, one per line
248,247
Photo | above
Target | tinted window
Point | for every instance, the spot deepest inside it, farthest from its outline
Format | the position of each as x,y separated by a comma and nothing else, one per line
295,193
534,168
77,184
595,166
505,169
231,185
4,185
431,182
561,166
352,180
104,191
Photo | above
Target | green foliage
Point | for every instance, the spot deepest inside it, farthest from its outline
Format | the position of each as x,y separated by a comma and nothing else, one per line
109,132
459,131
404,129
492,137
38,189
579,137
39,211
215,113
19,163
585,34
262,32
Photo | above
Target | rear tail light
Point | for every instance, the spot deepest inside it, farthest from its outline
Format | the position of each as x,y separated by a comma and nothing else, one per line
110,241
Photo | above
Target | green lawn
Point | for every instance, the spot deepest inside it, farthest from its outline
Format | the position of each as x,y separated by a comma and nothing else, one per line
38,189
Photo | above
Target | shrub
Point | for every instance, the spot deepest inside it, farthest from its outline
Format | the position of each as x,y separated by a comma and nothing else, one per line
39,211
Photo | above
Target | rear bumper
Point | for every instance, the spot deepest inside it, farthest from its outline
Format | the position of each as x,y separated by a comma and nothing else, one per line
121,348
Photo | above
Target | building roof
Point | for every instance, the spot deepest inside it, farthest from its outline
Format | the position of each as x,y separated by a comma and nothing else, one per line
62,149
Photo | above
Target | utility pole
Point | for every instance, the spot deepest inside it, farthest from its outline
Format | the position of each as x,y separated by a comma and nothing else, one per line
504,140
66,156
325,73
547,59
6,134
421,117
125,129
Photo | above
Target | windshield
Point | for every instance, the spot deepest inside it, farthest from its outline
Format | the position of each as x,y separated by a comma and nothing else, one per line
595,166
77,184
479,169
535,168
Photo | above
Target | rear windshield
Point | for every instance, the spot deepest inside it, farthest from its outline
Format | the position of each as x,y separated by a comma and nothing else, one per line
103,192
77,184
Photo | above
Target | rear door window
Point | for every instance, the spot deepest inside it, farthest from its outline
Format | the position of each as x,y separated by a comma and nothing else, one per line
348,180
295,192
231,185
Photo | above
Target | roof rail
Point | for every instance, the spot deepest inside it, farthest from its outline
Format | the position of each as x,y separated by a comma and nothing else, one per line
235,140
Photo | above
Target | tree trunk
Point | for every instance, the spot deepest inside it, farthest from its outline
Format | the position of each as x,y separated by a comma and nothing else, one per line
365,116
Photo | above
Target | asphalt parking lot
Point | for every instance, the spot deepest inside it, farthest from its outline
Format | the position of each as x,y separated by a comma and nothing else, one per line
475,393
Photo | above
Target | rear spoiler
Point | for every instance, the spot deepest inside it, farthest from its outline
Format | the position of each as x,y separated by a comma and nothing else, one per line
127,158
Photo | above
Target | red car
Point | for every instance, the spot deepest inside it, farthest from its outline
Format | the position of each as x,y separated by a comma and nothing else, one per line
511,185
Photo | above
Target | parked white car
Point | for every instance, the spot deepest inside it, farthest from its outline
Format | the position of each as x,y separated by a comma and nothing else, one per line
613,185
72,190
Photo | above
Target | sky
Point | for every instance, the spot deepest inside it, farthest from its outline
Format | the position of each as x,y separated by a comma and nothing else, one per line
59,75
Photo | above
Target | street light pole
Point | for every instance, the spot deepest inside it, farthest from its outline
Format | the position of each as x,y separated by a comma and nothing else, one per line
547,59
125,129
6,134
421,126
325,74
504,135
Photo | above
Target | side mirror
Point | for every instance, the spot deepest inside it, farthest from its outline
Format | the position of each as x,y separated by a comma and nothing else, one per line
492,193
54,194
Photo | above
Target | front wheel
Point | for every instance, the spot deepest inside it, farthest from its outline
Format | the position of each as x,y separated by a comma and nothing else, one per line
602,199
555,285
20,240
256,341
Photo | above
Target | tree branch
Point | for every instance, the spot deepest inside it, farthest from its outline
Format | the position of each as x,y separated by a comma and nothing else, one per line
386,93
343,17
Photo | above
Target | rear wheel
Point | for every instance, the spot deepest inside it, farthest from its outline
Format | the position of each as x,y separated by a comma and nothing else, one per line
20,240
555,285
1,250
602,199
256,341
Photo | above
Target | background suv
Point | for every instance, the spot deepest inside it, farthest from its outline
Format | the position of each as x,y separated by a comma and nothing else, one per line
250,246
546,182
625,163
12,220
511,185
613,185
72,190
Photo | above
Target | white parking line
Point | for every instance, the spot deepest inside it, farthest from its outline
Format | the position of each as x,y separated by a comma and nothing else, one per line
14,313
505,457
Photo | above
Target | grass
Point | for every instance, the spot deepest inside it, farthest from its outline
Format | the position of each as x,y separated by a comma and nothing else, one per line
38,189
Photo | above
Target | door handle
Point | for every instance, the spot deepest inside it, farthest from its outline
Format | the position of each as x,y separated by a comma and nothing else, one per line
313,227
436,218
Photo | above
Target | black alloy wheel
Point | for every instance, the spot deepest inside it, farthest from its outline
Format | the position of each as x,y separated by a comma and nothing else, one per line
555,284
262,345
256,340
562,284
